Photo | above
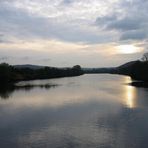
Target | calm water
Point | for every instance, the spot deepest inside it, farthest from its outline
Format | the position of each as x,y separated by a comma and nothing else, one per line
90,111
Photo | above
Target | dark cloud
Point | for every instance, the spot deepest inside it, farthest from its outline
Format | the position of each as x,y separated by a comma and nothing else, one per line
67,2
131,21
134,35
124,24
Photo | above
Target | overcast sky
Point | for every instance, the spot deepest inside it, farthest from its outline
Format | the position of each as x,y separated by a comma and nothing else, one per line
92,33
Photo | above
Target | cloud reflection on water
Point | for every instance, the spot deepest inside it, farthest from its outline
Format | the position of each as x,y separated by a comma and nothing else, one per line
87,111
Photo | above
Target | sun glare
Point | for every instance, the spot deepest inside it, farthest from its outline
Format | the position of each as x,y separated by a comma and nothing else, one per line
128,49
130,95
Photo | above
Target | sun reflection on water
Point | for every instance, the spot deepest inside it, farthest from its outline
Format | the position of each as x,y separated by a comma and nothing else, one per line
130,95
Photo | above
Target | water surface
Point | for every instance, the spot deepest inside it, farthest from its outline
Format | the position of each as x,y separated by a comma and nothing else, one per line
89,111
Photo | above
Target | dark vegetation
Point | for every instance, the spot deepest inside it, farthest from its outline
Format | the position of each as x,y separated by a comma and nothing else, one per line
137,70
12,74
99,70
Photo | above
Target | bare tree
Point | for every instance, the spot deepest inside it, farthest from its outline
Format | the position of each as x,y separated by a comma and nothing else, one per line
145,57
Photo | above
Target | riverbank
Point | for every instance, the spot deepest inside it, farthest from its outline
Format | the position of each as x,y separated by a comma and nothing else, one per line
137,70
10,74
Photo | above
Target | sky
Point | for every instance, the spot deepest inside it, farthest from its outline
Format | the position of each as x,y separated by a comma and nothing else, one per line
91,33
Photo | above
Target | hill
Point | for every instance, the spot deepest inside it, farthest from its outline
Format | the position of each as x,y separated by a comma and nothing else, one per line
137,70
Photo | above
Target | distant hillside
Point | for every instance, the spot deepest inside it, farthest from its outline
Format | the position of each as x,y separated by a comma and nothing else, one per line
127,68
99,70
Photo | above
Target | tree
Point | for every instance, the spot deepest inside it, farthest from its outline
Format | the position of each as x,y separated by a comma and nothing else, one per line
4,72
145,57
77,67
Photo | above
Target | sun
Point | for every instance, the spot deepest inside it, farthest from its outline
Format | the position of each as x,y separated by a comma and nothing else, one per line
128,49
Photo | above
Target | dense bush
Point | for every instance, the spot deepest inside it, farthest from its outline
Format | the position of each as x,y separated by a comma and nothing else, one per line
140,71
5,72
137,70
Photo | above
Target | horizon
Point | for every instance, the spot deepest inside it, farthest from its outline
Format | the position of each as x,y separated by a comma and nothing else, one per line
63,33
66,66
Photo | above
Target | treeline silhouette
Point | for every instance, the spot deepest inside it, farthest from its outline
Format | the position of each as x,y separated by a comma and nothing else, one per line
137,70
140,71
10,73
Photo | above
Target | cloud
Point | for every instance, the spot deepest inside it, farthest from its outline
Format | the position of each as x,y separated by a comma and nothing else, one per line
19,23
51,20
66,27
134,35
129,19
124,24
72,20
67,2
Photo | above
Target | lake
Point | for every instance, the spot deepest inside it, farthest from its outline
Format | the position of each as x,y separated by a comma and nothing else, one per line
89,111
